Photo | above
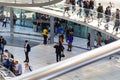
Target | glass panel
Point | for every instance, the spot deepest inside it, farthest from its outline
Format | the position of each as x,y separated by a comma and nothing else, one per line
6,1
41,1
89,16
25,1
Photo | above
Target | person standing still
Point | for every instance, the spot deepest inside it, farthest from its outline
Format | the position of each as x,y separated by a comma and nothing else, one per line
45,32
58,49
27,49
4,22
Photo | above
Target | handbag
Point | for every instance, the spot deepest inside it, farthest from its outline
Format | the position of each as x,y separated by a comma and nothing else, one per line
62,54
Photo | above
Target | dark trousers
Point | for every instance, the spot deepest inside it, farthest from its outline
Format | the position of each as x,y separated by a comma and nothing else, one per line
45,39
26,56
58,57
69,46
4,24
1,58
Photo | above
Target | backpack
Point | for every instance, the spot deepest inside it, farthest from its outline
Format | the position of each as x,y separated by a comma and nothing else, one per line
4,42
12,56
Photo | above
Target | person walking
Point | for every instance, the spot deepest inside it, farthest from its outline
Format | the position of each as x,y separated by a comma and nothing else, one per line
73,5
80,4
99,38
27,49
59,48
86,6
117,20
4,22
107,16
91,8
99,14
67,7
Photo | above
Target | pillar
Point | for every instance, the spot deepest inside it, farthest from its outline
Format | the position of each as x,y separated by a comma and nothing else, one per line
11,24
51,29
92,38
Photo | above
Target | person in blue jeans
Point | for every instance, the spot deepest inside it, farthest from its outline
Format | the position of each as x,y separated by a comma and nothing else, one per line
39,27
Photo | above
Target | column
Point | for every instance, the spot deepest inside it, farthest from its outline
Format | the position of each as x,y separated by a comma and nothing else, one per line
51,29
11,24
92,38
32,1
20,17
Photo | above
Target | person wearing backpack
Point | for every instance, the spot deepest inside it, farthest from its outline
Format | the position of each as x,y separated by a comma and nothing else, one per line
3,42
58,50
27,49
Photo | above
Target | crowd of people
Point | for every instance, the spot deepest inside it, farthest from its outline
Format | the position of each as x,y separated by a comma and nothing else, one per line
8,61
88,8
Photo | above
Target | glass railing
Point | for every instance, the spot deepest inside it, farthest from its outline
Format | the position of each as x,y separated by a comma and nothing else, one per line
25,1
90,17
28,3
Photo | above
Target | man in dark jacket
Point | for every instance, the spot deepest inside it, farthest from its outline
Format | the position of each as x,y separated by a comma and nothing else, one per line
3,42
27,49
59,48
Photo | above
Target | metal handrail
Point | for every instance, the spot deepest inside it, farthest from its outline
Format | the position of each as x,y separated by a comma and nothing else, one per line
30,4
57,69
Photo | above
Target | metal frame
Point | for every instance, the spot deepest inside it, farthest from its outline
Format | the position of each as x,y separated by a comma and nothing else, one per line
30,5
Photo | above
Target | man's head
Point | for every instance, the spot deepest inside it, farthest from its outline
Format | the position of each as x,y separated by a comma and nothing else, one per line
26,41
6,51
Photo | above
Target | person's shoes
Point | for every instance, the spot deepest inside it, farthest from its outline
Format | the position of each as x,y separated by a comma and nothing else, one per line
25,61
